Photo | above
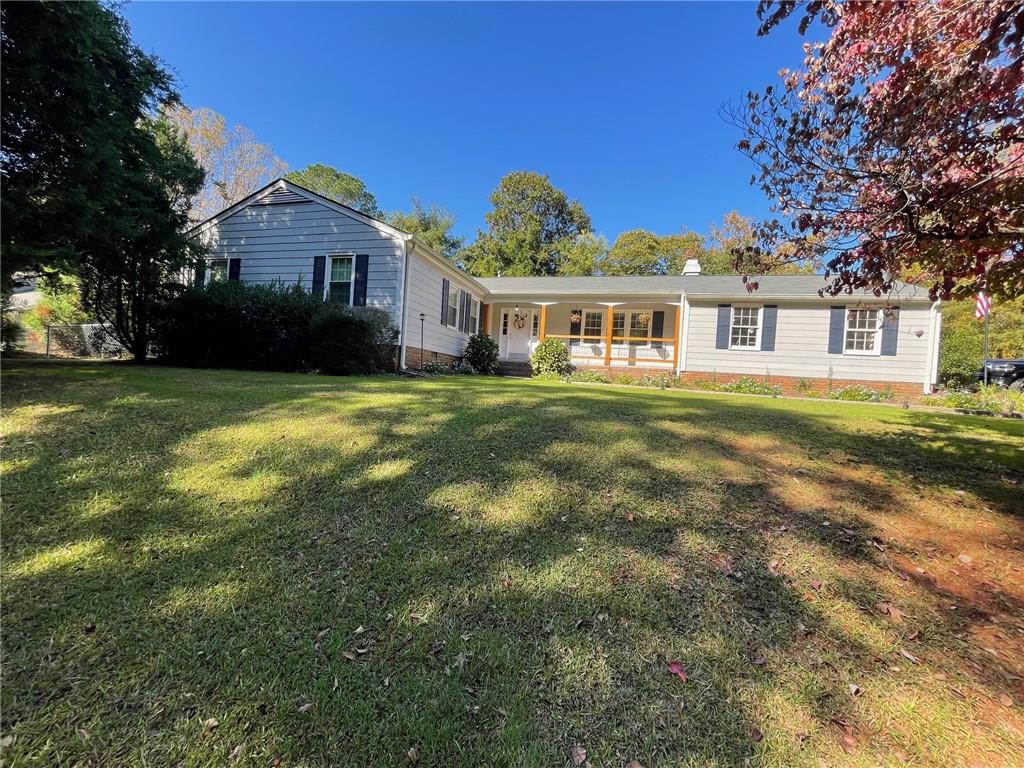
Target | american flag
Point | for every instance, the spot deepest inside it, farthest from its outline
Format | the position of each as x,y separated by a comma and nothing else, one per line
982,305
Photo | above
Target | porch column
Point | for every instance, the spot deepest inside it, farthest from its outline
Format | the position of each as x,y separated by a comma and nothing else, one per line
543,322
608,336
675,339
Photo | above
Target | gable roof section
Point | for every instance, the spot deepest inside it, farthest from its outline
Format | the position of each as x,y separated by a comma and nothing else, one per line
282,191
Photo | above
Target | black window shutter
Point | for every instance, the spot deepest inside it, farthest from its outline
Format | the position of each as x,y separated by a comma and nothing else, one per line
575,324
445,286
234,270
769,320
657,328
463,311
837,319
890,330
722,330
359,289
200,272
319,267
466,307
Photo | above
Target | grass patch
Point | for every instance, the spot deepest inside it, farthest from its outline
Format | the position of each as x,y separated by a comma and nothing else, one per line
213,567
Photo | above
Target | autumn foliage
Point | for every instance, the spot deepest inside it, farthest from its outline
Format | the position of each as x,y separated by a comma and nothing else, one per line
897,151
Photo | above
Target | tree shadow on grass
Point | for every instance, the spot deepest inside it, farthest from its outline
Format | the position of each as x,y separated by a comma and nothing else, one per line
213,550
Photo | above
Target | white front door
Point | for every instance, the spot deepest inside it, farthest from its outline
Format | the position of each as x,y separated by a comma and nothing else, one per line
517,332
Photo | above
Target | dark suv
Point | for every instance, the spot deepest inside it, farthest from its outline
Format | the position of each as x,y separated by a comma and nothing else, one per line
1004,373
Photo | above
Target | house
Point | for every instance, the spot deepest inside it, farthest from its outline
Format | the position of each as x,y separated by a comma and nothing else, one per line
691,325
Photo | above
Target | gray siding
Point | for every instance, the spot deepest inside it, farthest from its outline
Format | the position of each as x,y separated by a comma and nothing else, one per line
801,346
279,242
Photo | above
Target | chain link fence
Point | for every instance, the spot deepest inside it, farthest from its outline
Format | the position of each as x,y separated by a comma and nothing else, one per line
81,340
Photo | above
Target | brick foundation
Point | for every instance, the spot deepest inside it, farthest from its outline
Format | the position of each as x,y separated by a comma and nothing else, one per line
414,363
791,385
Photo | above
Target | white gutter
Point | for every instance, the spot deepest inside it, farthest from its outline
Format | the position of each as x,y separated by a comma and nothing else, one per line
934,339
407,248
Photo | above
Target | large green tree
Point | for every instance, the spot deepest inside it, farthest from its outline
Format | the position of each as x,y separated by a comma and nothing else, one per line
639,252
337,185
529,228
431,225
136,260
75,88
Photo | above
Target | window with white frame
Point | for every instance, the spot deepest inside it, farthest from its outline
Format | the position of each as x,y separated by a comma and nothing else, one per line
862,331
592,324
453,308
535,324
618,324
339,283
218,271
639,327
474,316
746,328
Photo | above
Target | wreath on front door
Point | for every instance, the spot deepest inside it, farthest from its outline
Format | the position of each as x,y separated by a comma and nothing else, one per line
519,321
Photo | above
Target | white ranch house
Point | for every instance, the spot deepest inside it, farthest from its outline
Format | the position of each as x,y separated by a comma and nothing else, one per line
691,325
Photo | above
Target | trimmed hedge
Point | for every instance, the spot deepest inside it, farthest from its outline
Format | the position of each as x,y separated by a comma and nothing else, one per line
271,328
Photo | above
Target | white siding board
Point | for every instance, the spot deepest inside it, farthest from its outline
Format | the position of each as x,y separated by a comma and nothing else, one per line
280,242
423,293
801,347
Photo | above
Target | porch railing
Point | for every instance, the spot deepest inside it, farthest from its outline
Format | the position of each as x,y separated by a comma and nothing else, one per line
633,349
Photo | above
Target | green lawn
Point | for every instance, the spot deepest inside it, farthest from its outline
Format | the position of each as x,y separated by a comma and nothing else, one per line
215,567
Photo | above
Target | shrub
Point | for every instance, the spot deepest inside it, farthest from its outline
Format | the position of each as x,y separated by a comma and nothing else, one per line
748,386
959,359
351,340
481,353
271,327
461,367
233,325
550,356
436,368
990,398
587,377
59,304
11,332
854,392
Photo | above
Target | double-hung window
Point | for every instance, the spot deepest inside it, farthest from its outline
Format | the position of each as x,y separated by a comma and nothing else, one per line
746,328
862,331
453,308
339,284
474,316
592,326
218,271
639,327
618,324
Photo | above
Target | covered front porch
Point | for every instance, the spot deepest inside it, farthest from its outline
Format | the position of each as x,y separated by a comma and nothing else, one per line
612,334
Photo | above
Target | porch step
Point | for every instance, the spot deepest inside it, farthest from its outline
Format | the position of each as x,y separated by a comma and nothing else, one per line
514,368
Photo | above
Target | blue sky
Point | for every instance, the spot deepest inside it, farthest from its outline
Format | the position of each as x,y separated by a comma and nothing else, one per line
618,103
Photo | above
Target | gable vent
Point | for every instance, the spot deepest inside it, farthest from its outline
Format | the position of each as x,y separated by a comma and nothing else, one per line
280,196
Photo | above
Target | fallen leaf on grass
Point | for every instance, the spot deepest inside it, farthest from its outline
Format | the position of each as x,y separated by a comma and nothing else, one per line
7,741
846,738
677,669
578,755
756,735
965,559
909,656
773,568
816,585
1005,700
236,753
760,660
888,609
634,764
306,707
629,517
413,754
349,655
855,690
957,692
210,723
